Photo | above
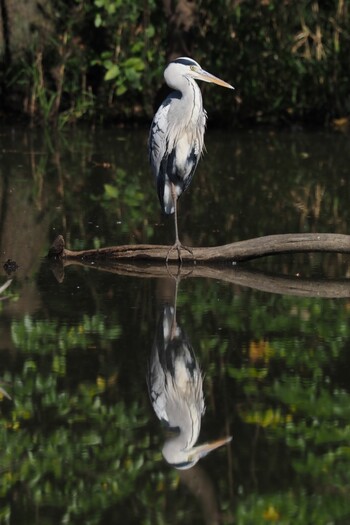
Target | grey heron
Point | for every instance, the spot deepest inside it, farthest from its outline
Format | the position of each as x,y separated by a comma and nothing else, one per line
175,386
176,137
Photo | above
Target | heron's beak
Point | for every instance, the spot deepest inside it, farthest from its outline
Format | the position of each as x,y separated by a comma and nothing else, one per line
203,450
208,77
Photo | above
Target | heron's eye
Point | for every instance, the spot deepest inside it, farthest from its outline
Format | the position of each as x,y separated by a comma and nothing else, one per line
193,68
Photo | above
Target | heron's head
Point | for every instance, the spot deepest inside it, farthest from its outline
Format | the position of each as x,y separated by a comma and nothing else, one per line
183,459
189,68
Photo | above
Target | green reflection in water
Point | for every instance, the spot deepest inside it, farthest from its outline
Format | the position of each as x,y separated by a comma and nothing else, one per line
79,441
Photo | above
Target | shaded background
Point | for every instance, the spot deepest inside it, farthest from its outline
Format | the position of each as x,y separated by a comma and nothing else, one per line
100,60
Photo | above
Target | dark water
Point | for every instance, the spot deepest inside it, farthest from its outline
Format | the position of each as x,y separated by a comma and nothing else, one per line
80,441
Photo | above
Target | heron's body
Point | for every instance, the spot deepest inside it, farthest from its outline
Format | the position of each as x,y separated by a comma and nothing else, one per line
176,142
176,138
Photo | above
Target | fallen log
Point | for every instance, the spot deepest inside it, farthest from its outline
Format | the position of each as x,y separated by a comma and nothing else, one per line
105,260
234,252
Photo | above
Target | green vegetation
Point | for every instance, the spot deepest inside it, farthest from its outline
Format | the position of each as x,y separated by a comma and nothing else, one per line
79,440
104,60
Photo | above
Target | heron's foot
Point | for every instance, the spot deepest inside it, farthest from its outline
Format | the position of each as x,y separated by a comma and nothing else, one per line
178,246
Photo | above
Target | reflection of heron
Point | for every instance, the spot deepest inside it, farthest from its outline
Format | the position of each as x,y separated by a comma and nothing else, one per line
175,387
176,137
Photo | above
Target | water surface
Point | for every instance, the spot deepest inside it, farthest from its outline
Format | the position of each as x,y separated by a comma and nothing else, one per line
80,440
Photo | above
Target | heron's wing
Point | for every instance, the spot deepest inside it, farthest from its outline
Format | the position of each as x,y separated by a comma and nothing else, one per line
159,149
175,145
157,140
157,370
156,385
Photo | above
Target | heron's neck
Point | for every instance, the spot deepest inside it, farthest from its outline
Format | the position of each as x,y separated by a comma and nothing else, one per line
191,103
192,93
187,86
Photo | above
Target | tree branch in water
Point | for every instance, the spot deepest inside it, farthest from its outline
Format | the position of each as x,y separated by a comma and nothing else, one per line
234,252
119,260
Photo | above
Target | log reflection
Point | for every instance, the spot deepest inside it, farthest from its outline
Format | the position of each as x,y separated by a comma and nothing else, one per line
236,275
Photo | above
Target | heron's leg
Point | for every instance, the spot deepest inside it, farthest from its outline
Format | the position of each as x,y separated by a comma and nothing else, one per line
174,195
177,244
174,325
